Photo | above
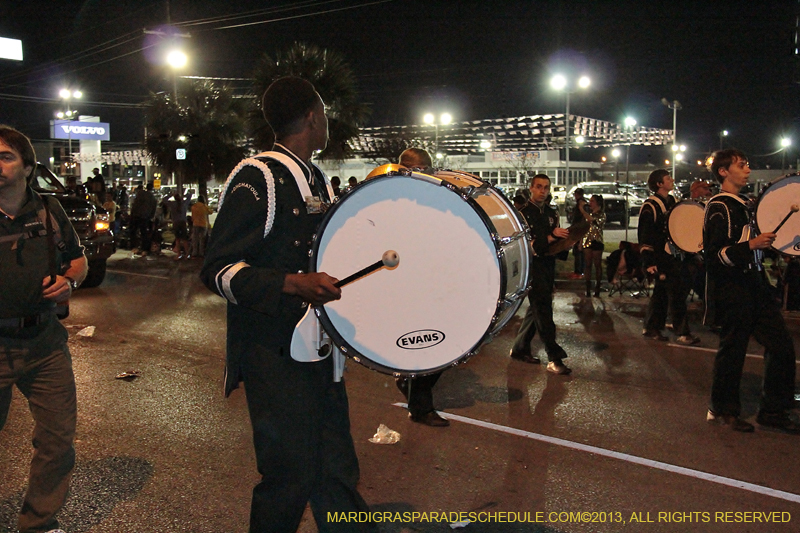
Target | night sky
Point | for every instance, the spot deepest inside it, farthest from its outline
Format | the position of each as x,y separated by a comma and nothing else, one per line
730,64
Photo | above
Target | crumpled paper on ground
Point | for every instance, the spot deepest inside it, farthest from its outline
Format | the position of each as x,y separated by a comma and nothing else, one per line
129,375
88,331
456,525
384,435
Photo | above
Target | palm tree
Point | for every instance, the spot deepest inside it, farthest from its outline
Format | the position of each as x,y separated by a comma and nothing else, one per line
207,121
334,80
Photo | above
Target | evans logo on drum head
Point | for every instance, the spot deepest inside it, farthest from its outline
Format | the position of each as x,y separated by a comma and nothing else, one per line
420,339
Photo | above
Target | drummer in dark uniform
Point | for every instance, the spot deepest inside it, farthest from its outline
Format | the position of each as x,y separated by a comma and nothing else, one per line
543,222
419,390
734,253
256,259
670,289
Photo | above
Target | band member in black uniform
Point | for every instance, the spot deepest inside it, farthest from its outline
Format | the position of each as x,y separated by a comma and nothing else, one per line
256,259
670,289
544,226
734,255
419,390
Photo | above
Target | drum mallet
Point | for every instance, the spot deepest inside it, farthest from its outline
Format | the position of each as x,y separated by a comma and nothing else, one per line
792,210
390,259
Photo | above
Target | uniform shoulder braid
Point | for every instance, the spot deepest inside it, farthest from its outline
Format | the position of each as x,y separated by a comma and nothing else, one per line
235,182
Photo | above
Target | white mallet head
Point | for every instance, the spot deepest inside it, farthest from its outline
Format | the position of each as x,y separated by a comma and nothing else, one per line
390,259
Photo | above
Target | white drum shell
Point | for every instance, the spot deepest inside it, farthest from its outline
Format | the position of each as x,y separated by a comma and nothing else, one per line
450,291
774,203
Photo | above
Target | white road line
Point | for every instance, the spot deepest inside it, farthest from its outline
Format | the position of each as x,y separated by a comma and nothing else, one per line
713,350
735,483
123,272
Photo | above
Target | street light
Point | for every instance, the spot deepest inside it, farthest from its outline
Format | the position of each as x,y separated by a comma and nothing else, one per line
67,95
723,133
786,142
444,119
560,83
177,60
674,105
615,153
630,122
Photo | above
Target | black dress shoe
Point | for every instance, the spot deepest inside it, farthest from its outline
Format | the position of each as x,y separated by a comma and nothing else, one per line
780,421
525,358
431,418
654,334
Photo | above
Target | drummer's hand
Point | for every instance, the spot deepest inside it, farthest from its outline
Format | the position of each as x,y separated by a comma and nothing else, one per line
316,288
763,241
561,233
652,270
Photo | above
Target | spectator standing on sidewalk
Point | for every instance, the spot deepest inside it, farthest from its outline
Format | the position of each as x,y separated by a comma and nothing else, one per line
577,251
200,212
143,210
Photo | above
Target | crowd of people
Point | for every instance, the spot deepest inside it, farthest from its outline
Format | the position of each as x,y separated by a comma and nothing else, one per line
257,260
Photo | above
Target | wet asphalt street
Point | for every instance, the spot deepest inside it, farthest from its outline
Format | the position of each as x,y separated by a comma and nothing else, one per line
621,444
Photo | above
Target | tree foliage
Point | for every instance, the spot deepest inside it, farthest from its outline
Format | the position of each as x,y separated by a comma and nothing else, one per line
334,80
207,121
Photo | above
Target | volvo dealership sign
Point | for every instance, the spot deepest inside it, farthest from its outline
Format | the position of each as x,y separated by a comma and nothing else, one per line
75,130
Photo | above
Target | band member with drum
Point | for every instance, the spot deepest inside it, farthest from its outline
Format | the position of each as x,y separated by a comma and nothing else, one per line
419,390
734,253
593,242
256,259
670,289
543,222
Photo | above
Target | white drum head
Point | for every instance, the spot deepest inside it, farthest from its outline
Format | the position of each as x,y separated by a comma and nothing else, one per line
773,205
436,306
685,226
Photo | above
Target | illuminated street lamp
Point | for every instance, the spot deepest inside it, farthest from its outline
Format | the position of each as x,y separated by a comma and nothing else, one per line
444,119
615,153
560,83
723,133
630,122
785,144
675,106
67,95
177,60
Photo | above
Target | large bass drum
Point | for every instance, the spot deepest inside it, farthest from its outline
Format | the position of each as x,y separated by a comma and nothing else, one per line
685,226
464,259
774,203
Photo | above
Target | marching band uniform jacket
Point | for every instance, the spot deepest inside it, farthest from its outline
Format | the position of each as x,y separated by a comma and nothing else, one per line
652,231
726,232
249,256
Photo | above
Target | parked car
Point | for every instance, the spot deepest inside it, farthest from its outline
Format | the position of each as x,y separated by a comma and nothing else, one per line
637,194
613,199
89,220
559,193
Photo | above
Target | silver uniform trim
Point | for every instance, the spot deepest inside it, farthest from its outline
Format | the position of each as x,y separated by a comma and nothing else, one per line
723,256
225,277
270,183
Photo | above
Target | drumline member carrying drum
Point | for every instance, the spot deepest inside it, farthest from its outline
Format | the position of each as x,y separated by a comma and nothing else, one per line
734,253
670,289
256,259
543,221
419,390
